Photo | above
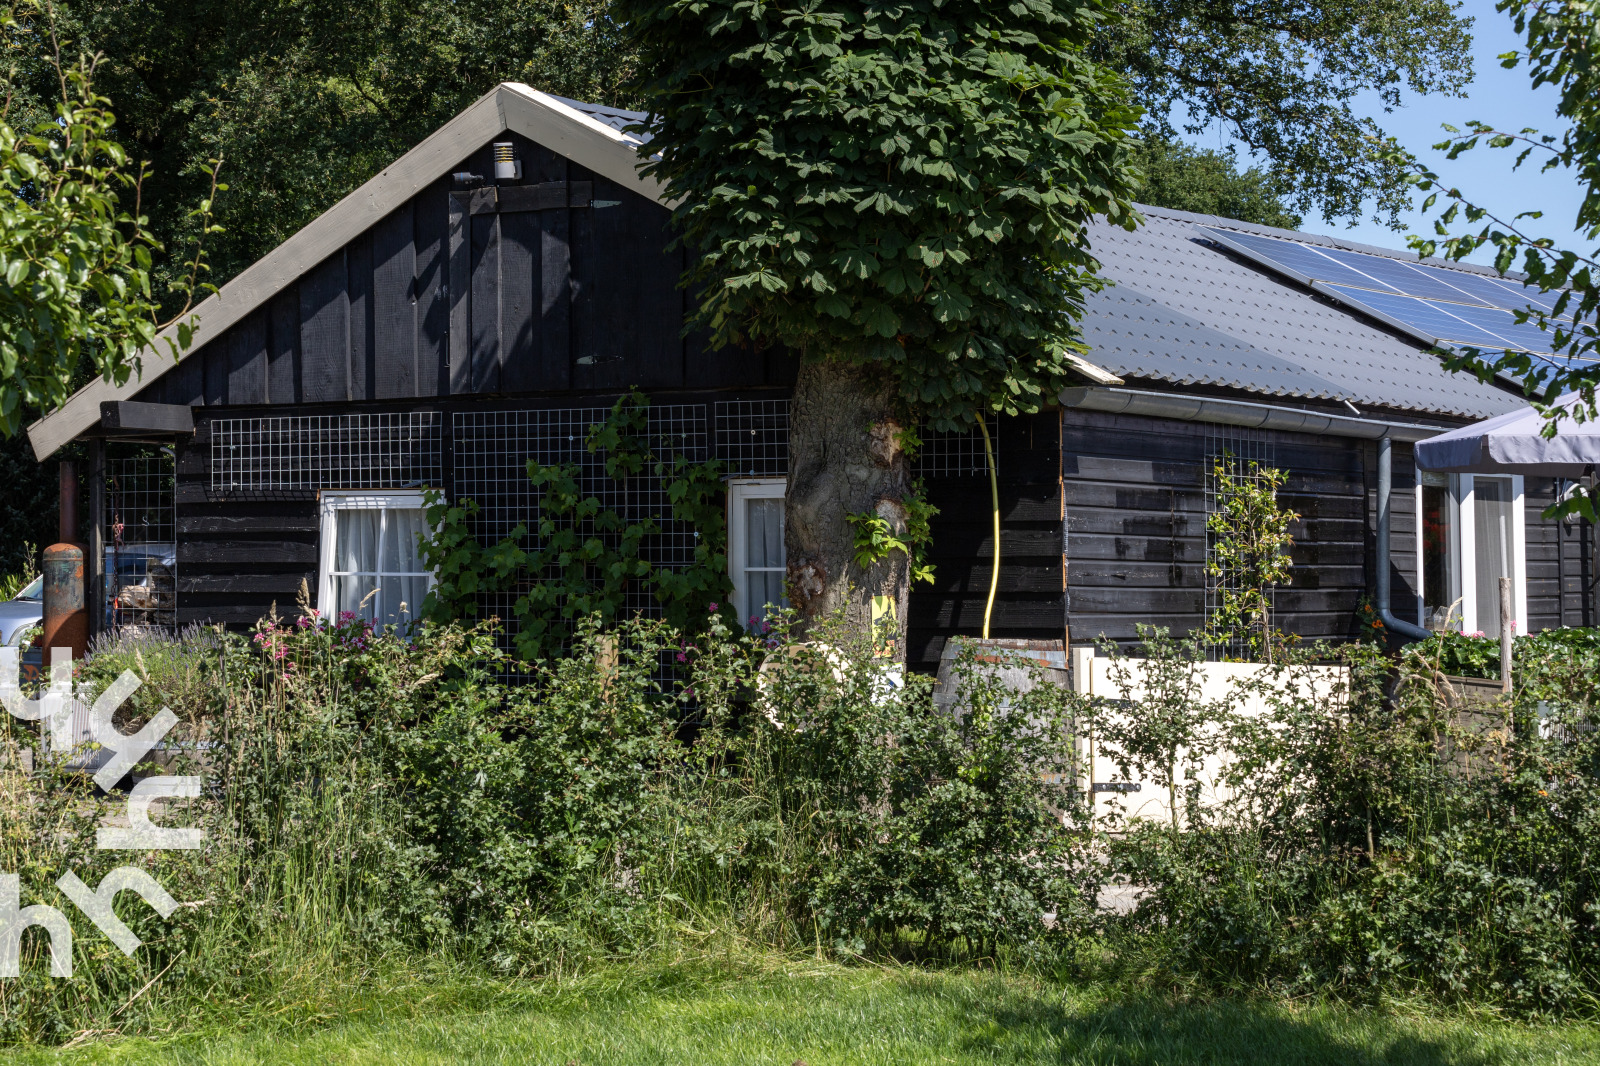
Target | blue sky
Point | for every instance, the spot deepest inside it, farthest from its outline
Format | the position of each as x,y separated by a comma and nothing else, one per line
1504,98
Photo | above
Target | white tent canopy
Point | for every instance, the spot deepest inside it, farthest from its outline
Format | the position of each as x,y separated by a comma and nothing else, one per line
1515,444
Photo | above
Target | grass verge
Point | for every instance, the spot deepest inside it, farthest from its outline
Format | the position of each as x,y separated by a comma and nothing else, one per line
779,1011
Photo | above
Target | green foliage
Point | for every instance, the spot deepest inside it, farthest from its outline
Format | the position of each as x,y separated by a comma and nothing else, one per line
1555,665
1561,39
76,264
1249,552
875,537
1282,77
585,557
379,796
13,583
1381,839
308,100
1185,178
1165,734
904,187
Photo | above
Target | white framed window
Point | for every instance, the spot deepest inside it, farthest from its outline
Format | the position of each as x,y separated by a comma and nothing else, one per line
371,565
1472,531
755,546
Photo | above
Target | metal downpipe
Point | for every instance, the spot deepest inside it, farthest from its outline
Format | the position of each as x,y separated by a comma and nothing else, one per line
1385,490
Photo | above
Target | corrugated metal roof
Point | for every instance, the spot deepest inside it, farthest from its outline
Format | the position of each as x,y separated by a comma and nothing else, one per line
1182,310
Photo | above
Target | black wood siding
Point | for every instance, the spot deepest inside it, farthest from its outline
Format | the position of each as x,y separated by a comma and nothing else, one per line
237,558
1030,601
578,298
1134,494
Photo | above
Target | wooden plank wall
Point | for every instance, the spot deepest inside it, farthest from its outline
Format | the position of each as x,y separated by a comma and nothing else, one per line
236,558
1135,513
577,298
1561,573
1030,602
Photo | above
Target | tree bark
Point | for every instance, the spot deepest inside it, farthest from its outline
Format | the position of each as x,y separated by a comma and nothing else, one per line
845,458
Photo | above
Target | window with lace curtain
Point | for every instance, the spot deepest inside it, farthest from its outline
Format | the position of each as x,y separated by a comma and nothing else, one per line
371,565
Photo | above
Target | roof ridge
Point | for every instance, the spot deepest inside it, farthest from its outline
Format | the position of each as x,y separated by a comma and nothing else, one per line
1324,241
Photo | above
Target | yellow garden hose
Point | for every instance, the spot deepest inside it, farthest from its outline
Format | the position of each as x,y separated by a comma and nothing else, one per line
994,498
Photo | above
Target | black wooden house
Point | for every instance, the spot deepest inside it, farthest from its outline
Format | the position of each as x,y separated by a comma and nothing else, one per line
488,296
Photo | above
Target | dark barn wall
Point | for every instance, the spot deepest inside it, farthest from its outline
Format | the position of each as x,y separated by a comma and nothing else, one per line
1561,575
523,301
238,557
1134,494
1029,603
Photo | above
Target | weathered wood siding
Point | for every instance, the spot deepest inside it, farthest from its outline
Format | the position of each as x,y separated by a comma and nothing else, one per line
1561,574
1134,493
1030,600
238,557
435,301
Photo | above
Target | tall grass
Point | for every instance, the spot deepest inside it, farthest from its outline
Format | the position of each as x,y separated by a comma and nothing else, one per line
379,802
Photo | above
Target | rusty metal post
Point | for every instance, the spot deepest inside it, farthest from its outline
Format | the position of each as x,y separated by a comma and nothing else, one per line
66,616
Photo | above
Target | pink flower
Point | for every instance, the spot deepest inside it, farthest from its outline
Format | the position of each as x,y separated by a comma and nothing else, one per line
711,608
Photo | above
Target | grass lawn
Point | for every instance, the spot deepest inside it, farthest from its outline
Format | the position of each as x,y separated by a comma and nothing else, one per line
782,1012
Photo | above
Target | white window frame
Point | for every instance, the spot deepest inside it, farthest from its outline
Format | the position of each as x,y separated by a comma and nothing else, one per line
740,490
1463,549
332,501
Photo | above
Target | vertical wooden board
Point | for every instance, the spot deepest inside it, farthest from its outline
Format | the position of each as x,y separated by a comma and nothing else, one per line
216,371
520,242
555,291
247,360
187,384
651,300
394,307
358,267
283,339
325,332
460,289
431,220
486,343
588,369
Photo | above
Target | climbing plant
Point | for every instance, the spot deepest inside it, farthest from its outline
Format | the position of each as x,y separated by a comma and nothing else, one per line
876,537
1249,554
583,558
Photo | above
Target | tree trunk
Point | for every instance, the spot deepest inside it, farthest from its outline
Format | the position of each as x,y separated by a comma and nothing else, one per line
845,458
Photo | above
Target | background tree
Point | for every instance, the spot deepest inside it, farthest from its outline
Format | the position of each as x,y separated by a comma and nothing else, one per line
1282,76
898,194
307,99
1179,176
75,262
1562,41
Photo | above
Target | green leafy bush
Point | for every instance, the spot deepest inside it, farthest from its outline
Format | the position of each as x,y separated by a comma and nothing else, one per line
1381,841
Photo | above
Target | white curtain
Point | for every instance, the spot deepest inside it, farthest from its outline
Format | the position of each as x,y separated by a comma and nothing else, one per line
377,572
764,566
1491,518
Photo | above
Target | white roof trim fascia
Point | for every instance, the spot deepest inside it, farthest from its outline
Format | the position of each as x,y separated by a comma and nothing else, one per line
510,105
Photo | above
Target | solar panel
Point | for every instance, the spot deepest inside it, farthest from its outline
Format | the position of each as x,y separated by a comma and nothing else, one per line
1424,316
1301,259
1454,307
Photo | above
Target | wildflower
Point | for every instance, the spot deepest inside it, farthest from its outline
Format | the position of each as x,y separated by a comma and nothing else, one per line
711,608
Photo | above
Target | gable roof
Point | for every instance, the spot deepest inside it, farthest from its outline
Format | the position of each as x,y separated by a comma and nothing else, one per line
588,134
1185,311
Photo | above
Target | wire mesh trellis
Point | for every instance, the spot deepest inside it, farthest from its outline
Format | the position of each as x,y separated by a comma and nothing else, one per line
957,454
297,455
1245,454
492,451
753,437
752,440
141,563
